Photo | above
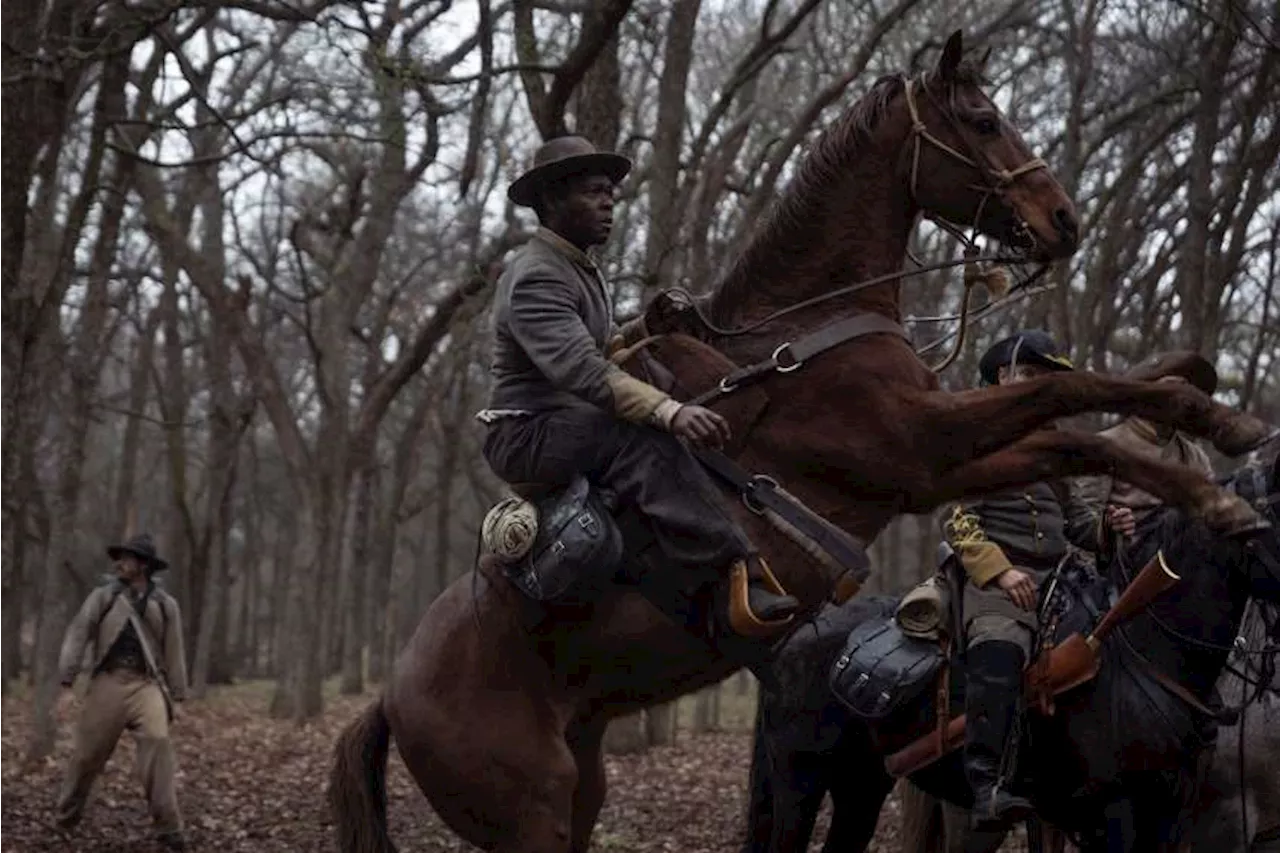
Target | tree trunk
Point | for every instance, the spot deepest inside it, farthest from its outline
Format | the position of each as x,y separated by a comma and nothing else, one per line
665,213
19,141
661,722
173,409
54,610
354,629
139,386
626,735
706,711
281,573
1196,254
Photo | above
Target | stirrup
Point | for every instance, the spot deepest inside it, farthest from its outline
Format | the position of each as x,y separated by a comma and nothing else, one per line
742,619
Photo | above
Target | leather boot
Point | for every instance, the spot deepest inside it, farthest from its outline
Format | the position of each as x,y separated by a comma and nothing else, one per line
758,605
993,672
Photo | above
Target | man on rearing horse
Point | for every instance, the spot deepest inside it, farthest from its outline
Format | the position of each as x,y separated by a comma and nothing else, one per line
560,408
1008,543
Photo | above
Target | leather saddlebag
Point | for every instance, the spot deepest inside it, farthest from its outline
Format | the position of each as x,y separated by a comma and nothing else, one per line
882,668
577,551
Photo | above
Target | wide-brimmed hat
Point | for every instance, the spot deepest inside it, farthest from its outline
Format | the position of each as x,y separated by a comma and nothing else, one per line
1188,364
141,547
1030,346
561,157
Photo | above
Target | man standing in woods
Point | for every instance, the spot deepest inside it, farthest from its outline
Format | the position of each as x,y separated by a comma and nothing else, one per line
560,407
130,632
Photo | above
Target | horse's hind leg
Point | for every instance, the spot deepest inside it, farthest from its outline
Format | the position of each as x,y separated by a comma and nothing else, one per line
989,418
584,738
1051,454
857,797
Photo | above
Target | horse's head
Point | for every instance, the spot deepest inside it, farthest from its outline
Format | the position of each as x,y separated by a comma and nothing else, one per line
967,165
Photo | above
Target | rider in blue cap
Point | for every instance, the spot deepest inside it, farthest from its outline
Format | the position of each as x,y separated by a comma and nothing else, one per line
1008,542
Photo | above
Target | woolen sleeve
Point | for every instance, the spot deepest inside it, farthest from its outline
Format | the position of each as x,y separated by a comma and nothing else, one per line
175,657
545,321
77,637
983,560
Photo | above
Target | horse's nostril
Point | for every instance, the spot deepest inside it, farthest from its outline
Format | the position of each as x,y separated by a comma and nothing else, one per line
1065,222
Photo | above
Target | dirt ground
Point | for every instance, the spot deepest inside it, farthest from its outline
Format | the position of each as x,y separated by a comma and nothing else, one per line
250,783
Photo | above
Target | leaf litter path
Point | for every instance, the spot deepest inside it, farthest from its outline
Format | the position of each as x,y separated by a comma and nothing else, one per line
250,783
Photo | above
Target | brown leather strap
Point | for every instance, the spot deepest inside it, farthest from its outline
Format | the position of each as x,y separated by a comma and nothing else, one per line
1168,683
792,355
761,492
1184,694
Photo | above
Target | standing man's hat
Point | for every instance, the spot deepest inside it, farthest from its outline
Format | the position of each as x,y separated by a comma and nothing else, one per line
561,157
141,547
1032,346
1188,364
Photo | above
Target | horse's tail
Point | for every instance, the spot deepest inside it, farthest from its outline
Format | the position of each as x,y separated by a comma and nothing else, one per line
759,787
358,784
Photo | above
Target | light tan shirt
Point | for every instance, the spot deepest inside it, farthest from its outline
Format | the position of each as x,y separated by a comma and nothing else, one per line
1141,437
102,617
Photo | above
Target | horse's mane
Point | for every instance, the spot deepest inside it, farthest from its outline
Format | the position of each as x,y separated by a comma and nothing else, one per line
807,193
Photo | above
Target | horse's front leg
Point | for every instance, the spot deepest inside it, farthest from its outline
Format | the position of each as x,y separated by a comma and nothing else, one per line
987,419
1052,454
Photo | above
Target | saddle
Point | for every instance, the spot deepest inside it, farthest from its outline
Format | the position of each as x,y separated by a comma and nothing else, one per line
575,541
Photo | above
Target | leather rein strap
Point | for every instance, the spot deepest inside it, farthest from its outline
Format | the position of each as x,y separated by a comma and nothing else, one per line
792,355
761,492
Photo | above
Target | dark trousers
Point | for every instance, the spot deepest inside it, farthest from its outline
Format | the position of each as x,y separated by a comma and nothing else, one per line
646,468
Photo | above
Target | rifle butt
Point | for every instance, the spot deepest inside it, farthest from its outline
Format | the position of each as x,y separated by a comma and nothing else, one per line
1149,584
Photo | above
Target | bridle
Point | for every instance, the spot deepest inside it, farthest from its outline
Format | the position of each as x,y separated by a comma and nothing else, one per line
996,182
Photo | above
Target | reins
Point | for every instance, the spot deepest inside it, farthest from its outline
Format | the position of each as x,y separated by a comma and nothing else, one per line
979,268
681,296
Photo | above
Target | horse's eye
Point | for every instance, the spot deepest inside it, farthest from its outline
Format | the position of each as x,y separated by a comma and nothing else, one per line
986,125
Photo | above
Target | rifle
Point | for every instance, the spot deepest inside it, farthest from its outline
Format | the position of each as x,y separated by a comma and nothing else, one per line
1071,663
156,672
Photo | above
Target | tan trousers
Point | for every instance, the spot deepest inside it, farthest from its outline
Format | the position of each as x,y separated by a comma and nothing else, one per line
990,615
116,701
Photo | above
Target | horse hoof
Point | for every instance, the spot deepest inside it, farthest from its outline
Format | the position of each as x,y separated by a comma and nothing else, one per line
1245,435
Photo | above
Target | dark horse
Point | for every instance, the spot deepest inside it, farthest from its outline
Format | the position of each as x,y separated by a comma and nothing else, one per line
498,706
1118,759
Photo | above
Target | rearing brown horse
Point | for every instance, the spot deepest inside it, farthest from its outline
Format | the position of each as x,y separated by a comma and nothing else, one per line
499,714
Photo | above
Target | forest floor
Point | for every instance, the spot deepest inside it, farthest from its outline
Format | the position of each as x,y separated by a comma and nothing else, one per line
250,783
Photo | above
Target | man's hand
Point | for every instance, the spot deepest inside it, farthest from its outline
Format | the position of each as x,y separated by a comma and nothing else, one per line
701,427
1019,586
1120,519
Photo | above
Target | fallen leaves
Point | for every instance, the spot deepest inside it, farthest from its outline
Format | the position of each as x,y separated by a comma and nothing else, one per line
250,783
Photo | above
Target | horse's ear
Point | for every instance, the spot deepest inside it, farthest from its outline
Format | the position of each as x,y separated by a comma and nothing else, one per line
982,61
952,52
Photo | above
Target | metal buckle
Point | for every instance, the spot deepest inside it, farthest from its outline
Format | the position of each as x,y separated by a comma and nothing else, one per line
795,364
727,387
751,503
